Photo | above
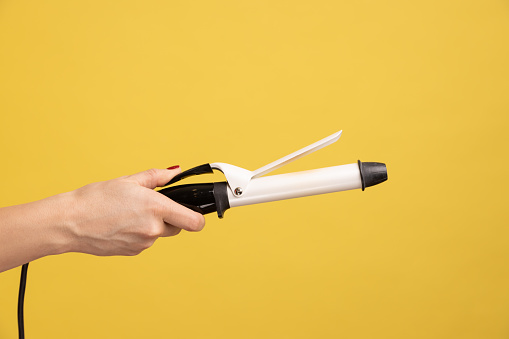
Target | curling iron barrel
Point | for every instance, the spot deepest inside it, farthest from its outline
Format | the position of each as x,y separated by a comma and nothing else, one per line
312,182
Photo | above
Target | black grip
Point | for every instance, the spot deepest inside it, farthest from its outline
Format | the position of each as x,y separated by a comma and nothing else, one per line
203,198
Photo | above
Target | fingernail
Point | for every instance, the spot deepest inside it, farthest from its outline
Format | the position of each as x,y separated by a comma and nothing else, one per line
173,167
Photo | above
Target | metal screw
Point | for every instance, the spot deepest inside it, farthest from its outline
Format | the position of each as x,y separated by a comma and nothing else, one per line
238,191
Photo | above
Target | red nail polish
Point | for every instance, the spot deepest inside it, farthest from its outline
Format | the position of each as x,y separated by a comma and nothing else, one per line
173,167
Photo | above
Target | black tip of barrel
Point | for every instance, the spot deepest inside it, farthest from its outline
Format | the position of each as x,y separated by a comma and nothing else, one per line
372,173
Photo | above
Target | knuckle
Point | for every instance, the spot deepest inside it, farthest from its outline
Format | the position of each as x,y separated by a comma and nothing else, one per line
153,231
155,206
152,173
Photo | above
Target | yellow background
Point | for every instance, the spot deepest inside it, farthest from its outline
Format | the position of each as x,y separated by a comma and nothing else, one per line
92,90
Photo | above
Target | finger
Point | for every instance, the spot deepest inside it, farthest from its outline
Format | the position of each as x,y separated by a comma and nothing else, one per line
154,177
179,216
170,230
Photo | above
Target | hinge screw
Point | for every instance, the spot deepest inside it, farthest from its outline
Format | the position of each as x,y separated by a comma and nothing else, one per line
238,191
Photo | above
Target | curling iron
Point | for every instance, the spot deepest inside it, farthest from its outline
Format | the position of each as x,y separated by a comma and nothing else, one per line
244,187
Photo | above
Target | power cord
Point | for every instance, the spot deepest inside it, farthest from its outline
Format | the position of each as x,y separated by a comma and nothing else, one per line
21,299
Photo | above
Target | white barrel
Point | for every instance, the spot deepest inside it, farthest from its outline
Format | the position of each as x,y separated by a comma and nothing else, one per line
299,184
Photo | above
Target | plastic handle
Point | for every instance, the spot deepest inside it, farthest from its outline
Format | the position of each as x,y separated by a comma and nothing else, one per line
202,169
202,198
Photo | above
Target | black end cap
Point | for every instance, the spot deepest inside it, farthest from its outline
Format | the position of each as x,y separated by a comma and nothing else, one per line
372,173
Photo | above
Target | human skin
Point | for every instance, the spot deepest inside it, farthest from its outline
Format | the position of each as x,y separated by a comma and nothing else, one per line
122,216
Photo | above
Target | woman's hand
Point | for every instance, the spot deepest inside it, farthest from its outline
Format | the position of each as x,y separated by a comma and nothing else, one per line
124,216
121,216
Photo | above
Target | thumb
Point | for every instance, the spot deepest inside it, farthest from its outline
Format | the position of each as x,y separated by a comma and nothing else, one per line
154,177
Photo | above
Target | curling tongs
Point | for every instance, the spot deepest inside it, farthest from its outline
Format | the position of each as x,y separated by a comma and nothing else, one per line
244,187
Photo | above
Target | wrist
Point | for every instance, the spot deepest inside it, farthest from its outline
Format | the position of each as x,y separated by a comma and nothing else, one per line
62,223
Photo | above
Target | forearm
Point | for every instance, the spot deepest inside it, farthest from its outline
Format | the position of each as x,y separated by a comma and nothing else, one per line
34,230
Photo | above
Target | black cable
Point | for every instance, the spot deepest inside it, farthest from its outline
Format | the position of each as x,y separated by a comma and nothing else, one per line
21,299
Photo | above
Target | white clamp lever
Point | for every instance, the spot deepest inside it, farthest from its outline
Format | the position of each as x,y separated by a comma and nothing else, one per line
238,178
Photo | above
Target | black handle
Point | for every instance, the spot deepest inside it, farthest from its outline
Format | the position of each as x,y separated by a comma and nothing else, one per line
202,169
203,198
